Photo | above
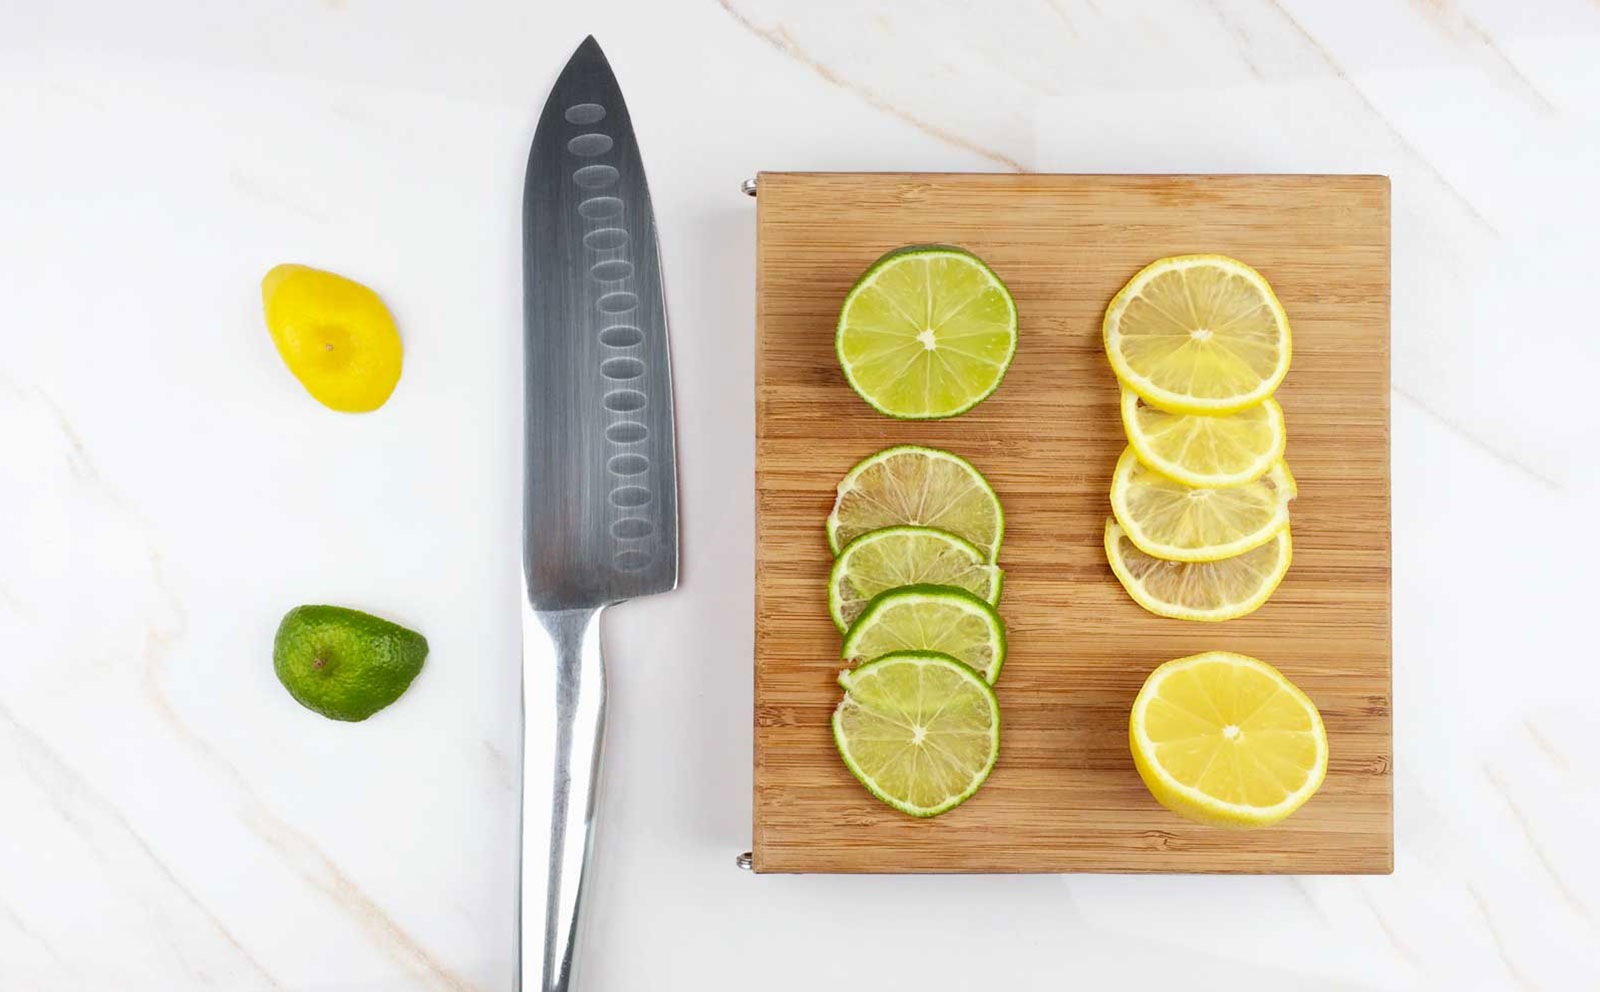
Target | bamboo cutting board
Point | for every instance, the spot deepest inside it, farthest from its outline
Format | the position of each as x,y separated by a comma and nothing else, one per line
1065,796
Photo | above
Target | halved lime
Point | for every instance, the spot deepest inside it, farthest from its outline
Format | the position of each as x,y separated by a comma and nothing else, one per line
930,618
345,664
920,487
906,556
926,332
919,729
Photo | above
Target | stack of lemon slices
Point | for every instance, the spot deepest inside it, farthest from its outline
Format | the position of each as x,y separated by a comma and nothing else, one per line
1200,497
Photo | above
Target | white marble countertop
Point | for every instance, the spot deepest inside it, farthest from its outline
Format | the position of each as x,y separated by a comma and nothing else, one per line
171,819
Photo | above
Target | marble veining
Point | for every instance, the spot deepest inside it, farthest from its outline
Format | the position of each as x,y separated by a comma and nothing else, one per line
1332,64
1550,868
780,39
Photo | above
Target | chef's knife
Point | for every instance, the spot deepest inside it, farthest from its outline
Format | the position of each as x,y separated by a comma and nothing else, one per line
600,485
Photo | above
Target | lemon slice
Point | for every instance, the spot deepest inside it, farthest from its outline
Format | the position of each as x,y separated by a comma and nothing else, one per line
1198,334
905,556
1224,589
921,487
1225,739
1170,520
919,729
1205,451
930,618
927,332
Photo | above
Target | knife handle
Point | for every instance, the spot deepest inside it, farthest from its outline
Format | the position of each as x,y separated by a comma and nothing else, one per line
561,650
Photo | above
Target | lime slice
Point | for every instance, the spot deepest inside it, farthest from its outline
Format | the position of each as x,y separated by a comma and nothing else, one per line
905,556
926,332
919,729
920,487
930,618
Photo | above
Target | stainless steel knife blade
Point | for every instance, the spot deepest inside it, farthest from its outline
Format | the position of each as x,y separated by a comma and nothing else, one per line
600,482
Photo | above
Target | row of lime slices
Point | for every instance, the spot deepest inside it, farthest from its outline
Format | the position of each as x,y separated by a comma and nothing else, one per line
927,332
1200,497
914,587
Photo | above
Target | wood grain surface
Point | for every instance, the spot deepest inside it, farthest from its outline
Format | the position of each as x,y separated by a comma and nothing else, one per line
1065,796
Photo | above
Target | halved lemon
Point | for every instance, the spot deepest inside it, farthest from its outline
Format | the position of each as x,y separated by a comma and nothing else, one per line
1205,451
334,334
1224,589
1225,739
1167,519
1198,334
